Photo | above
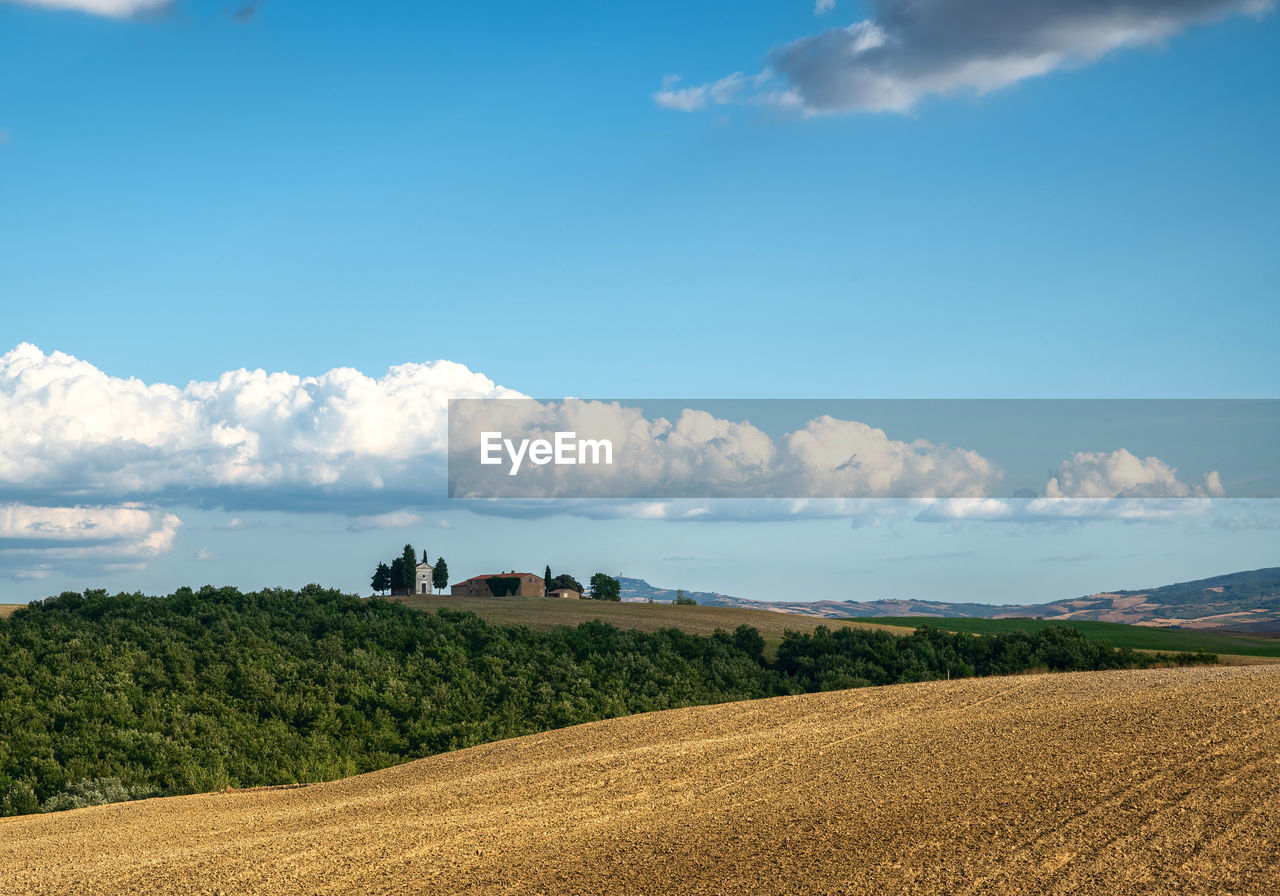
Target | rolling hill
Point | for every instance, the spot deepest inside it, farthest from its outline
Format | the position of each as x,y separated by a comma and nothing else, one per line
538,612
1248,601
1148,782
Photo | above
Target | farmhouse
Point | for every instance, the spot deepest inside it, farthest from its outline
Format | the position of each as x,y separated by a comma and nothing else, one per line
501,584
564,593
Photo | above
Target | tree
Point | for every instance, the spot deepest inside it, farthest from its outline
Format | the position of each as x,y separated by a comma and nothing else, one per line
395,575
424,556
684,600
605,587
408,569
381,578
564,580
546,581
440,575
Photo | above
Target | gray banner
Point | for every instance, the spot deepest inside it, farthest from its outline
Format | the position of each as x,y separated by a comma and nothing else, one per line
861,449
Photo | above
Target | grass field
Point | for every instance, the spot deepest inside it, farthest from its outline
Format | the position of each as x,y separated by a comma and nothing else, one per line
1138,637
541,613
6,610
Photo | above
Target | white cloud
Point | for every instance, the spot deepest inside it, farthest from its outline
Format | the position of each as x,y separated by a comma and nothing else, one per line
113,8
68,429
86,457
854,460
822,7
203,555
1060,510
144,530
702,456
908,50
737,88
1120,474
36,540
396,519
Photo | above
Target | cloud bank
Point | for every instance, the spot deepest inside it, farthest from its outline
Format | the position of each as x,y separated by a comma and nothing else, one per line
94,467
911,49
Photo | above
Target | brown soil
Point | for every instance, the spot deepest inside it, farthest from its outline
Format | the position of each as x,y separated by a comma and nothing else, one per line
1159,782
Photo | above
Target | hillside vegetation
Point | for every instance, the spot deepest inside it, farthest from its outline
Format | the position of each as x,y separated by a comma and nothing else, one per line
1137,637
1144,783
113,698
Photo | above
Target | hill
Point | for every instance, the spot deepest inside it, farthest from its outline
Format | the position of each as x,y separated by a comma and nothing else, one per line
1249,601
1238,598
1136,637
106,698
7,610
637,590
540,613
1141,782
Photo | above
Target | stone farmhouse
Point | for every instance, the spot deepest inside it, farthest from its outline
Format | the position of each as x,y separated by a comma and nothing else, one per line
478,586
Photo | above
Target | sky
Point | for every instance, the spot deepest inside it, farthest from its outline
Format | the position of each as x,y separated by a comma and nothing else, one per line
250,251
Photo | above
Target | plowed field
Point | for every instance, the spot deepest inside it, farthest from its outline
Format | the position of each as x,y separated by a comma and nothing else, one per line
1159,782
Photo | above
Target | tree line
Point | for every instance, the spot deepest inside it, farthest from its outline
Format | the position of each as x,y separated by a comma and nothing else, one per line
105,698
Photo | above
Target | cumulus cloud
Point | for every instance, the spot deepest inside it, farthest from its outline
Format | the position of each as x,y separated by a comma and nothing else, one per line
909,49
119,9
95,454
699,455
67,429
1120,474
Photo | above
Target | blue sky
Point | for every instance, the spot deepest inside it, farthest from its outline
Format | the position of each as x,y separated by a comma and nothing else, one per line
329,185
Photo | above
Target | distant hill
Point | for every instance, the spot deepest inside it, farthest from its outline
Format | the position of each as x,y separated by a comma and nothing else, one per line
640,590
1249,601
1240,599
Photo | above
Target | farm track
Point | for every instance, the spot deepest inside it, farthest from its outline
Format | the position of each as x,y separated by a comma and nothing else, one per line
1141,782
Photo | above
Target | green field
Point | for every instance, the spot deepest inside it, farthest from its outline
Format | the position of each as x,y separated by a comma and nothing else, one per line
1138,637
